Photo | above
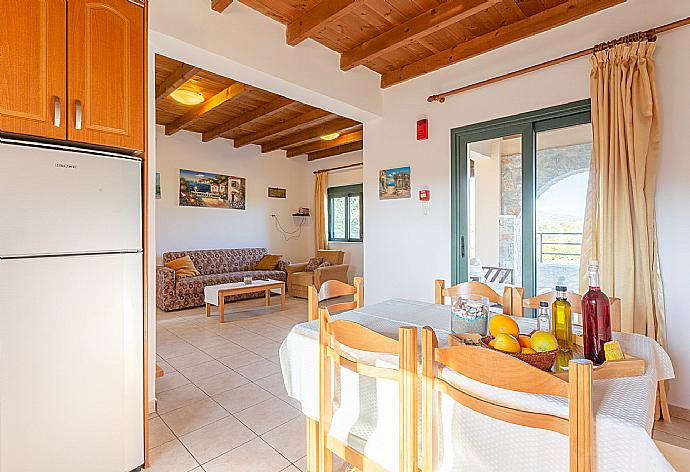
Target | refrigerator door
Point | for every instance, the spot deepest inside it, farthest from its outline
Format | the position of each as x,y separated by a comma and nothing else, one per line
68,202
71,364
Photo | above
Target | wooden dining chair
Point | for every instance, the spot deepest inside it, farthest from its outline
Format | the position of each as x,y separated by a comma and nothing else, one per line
333,335
511,299
506,372
334,289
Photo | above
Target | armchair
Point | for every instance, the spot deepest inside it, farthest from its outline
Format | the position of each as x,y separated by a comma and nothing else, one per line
299,280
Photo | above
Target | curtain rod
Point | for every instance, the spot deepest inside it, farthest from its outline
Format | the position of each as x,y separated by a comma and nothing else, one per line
338,168
441,97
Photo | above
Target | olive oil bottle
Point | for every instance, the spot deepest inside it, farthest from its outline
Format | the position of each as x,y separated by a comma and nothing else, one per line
561,319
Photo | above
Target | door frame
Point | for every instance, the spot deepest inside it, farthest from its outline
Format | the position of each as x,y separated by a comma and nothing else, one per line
527,125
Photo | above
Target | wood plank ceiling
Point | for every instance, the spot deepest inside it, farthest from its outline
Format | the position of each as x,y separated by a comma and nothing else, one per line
403,39
248,115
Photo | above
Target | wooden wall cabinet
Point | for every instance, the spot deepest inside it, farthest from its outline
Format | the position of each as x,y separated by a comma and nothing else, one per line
90,59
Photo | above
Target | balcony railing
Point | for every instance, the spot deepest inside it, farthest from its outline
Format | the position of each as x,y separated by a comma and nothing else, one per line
555,247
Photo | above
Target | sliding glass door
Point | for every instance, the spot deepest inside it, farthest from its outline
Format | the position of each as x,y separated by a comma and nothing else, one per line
518,194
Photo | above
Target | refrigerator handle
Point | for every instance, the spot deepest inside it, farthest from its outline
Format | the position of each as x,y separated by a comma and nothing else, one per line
57,113
77,118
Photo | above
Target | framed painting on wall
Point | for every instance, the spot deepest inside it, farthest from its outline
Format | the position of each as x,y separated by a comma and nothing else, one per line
275,192
394,183
202,189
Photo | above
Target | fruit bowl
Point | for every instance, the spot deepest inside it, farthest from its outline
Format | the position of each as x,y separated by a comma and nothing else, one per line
541,360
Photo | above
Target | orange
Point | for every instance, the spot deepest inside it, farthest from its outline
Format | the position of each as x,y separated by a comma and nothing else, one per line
506,343
524,340
503,324
528,350
491,343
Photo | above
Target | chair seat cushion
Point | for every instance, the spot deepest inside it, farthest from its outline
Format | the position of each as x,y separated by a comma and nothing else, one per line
302,278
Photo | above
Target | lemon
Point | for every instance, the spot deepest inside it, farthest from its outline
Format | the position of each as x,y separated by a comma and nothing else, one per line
542,341
506,343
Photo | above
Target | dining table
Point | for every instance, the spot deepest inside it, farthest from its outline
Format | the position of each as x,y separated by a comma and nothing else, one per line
366,409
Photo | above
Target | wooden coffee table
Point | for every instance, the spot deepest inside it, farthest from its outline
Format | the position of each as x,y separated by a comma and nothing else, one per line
215,294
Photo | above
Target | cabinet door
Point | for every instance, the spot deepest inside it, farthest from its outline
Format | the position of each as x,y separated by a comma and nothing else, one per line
33,82
105,68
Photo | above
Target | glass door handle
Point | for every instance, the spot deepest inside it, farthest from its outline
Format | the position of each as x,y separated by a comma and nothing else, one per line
462,246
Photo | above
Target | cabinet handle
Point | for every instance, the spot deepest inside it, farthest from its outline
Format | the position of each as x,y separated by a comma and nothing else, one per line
77,118
57,112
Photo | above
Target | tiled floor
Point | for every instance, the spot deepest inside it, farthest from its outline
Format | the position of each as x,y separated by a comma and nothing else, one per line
222,405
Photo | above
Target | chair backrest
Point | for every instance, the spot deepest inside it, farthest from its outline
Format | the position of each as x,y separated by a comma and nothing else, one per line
511,299
333,256
333,289
503,371
575,300
333,335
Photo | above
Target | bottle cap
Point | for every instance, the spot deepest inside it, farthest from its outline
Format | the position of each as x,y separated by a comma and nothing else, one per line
544,304
561,288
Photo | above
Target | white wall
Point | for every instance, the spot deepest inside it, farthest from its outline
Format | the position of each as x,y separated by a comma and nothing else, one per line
406,250
354,252
183,228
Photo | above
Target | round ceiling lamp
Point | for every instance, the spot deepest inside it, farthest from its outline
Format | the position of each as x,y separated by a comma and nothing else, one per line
187,96
330,136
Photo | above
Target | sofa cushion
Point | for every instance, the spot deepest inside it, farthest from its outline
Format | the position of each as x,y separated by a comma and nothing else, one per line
302,278
268,262
313,264
183,267
189,285
220,261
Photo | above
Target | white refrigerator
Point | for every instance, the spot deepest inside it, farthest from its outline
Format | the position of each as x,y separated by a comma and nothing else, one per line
71,310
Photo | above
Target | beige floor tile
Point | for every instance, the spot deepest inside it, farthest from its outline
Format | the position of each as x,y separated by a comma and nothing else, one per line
258,370
194,416
171,457
677,427
671,439
179,397
302,464
266,350
290,468
273,383
254,456
207,343
169,381
240,359
164,365
216,438
242,397
225,349
267,415
221,382
200,371
187,360
159,433
289,439
251,340
176,349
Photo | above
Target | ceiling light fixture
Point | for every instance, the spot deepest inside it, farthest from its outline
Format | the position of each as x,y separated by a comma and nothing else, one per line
330,136
187,96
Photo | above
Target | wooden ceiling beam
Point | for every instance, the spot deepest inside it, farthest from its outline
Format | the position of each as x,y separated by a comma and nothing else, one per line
553,17
198,111
315,19
300,120
414,29
220,5
179,76
266,109
321,145
334,151
333,126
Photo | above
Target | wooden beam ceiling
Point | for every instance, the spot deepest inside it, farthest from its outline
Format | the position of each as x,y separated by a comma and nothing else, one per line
270,107
405,33
321,145
314,20
198,111
220,5
529,26
179,76
315,132
300,120
334,151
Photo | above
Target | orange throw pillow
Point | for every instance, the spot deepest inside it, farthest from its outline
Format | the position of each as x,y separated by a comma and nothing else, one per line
268,262
183,267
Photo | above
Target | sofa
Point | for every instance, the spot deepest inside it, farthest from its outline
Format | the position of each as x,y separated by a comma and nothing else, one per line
299,280
216,266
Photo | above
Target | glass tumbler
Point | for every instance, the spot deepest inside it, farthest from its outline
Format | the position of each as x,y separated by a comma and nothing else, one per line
469,314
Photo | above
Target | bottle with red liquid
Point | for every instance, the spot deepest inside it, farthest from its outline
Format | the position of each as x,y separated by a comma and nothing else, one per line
596,317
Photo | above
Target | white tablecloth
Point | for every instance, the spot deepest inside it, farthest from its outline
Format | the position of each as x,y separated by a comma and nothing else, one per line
367,409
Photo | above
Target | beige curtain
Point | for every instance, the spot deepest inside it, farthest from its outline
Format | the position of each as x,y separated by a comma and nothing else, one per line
320,186
620,222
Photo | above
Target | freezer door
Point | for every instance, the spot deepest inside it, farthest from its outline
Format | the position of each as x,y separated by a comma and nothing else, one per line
65,202
71,364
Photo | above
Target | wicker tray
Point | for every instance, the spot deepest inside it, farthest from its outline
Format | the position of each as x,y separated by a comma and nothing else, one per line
541,360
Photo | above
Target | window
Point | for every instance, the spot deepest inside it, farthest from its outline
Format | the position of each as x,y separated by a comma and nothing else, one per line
519,188
345,213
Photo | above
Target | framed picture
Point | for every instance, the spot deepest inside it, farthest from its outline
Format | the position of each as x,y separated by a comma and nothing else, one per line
275,192
394,183
158,185
202,189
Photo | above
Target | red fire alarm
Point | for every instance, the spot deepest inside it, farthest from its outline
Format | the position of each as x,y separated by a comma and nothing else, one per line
424,196
422,129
